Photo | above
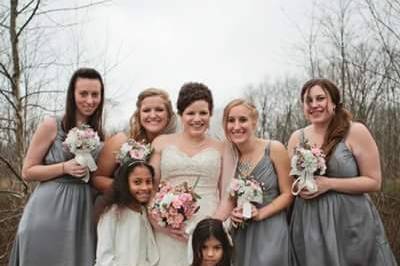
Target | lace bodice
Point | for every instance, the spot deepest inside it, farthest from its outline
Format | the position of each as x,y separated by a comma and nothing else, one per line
177,167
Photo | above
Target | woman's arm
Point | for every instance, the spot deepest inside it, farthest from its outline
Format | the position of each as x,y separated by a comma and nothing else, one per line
33,168
366,153
103,177
228,168
280,159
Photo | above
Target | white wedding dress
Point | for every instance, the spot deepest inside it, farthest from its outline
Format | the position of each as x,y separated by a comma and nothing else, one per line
177,167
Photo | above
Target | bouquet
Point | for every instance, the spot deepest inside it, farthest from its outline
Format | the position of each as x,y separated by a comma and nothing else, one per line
246,190
81,141
132,150
306,161
172,206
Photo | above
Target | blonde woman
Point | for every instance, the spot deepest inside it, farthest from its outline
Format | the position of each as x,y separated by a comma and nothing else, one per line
263,239
153,116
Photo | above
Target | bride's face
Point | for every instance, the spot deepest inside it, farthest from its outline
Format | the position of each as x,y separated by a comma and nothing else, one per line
196,118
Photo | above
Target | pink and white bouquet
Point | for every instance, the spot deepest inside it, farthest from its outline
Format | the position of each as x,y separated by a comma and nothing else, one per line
306,161
81,141
172,206
133,150
246,190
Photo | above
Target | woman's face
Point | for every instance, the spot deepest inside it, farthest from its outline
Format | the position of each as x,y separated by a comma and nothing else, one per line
240,125
153,115
141,184
87,97
196,118
318,106
212,252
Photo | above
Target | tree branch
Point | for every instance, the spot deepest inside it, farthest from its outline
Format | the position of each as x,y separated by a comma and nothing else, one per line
43,108
35,9
8,164
73,8
39,92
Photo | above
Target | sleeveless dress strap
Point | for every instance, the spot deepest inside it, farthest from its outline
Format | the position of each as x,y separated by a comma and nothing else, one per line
268,148
302,137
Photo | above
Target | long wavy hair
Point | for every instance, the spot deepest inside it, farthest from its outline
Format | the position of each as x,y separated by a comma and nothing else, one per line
204,230
96,119
340,123
137,131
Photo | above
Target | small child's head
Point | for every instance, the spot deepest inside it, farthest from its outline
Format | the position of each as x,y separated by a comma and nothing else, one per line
133,184
211,245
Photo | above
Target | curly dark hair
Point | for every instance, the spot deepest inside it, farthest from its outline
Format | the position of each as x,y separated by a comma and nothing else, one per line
191,92
205,229
120,193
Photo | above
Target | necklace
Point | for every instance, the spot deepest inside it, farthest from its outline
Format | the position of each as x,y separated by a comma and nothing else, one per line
245,167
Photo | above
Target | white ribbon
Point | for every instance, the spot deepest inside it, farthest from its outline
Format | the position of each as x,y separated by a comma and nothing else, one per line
85,158
246,207
304,181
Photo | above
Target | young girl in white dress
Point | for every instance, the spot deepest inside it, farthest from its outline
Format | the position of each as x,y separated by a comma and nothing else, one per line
125,236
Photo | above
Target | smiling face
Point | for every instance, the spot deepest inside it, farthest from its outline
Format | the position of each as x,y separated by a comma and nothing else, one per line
87,95
240,124
212,252
153,115
196,118
317,105
141,184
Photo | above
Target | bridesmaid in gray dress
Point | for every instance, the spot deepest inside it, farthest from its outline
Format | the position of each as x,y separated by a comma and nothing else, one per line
338,225
264,239
56,227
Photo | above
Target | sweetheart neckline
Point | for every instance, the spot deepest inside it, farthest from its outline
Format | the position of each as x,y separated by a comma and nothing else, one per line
194,155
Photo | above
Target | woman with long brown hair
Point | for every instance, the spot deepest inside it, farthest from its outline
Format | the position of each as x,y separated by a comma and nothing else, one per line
56,227
338,224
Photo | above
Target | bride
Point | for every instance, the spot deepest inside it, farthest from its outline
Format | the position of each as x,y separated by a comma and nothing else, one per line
186,156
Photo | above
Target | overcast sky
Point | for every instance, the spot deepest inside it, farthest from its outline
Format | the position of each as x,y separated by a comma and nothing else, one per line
226,44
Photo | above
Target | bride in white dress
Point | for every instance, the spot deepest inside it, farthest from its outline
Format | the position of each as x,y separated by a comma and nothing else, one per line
186,156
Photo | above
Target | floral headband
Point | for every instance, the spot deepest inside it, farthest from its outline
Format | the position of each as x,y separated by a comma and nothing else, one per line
133,152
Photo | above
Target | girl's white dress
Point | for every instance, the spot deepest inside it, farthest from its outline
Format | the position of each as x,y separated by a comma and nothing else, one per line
125,238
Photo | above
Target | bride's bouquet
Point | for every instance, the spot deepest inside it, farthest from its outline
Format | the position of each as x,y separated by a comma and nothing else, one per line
81,141
133,150
306,161
172,206
246,190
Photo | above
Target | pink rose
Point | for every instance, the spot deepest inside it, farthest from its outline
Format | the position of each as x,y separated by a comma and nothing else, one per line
136,154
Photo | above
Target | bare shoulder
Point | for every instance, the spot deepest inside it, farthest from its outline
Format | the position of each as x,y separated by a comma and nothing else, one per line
49,123
277,146
115,141
358,128
217,144
295,138
161,141
359,134
47,128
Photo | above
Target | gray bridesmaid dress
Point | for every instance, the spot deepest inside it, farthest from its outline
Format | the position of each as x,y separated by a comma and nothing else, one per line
266,242
56,228
338,229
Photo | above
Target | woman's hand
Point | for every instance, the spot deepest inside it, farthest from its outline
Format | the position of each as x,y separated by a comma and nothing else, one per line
255,213
73,168
322,183
237,216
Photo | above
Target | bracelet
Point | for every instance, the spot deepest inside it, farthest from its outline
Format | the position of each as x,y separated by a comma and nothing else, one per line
63,171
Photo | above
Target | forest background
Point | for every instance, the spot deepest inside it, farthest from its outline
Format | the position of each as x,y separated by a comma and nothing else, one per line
355,43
